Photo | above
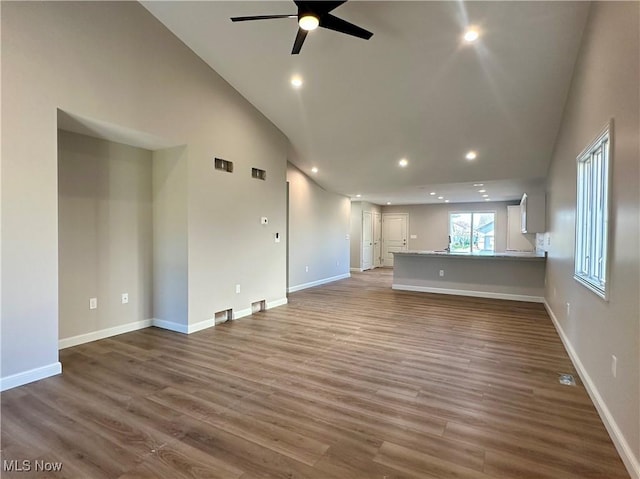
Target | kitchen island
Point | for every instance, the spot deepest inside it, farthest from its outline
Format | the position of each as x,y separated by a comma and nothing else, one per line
506,275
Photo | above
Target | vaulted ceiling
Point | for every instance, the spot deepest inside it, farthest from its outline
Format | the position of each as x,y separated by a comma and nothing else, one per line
415,90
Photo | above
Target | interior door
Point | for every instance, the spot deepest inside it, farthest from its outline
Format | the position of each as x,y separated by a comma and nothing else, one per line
394,236
377,240
367,241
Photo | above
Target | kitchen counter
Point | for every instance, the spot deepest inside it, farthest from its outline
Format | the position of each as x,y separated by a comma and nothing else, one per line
517,255
513,275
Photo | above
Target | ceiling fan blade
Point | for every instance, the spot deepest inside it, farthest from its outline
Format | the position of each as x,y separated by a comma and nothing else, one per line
318,7
339,25
261,17
297,45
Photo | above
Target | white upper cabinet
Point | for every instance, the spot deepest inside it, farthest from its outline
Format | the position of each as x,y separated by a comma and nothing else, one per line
532,213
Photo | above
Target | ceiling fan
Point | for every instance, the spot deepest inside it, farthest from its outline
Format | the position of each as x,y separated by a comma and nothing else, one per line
311,15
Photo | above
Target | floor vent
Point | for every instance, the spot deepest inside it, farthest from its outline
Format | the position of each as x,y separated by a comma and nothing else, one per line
567,380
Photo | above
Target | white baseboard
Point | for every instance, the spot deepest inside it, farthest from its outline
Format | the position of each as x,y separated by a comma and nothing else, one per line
242,313
26,377
355,270
277,302
464,292
170,325
627,455
300,287
183,328
103,333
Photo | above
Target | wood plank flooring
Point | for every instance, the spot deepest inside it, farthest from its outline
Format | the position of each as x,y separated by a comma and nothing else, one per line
349,380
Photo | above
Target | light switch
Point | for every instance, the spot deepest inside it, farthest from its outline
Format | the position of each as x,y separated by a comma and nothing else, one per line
264,220
277,237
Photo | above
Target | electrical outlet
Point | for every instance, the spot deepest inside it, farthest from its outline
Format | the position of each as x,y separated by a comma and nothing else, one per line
614,365
347,237
441,273
568,309
237,289
93,303
125,298
306,269
337,263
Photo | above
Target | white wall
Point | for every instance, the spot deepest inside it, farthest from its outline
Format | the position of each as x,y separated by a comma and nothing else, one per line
105,234
430,223
318,229
114,62
605,86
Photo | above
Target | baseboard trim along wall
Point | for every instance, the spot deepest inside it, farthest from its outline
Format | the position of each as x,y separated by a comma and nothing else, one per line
464,292
26,377
300,287
630,460
103,333
277,302
243,313
355,270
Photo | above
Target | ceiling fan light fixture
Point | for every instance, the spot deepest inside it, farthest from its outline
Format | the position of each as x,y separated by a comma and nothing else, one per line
308,22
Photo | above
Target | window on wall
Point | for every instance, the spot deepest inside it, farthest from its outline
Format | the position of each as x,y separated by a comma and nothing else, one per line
592,212
472,232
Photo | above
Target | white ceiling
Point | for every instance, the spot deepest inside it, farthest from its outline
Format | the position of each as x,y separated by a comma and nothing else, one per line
414,90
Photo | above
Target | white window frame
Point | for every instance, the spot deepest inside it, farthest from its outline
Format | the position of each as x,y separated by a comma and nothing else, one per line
593,193
465,212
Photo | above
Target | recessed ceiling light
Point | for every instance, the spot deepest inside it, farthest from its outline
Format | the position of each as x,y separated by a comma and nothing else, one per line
485,196
471,155
314,170
308,22
487,199
440,197
433,193
296,81
478,184
446,201
388,202
471,35
358,196
403,162
482,191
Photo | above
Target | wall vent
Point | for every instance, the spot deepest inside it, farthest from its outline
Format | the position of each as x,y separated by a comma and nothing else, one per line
223,316
223,165
258,174
258,306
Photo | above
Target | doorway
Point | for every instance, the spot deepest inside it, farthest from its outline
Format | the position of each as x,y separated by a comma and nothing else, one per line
394,236
377,240
367,241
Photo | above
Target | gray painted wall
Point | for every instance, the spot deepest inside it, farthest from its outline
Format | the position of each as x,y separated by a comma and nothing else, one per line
114,62
105,233
430,223
170,254
318,229
605,86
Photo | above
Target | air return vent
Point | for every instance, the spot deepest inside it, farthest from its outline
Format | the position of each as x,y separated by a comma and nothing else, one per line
223,316
258,306
223,165
258,174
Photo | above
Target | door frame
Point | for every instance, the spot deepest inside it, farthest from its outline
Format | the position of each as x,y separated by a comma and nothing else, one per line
362,263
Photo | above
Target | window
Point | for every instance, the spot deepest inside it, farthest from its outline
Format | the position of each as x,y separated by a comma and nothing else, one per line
472,232
592,211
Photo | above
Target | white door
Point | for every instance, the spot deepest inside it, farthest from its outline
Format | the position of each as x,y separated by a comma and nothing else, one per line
377,240
367,241
394,236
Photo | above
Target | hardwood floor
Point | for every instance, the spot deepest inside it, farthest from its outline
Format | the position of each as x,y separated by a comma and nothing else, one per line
349,380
